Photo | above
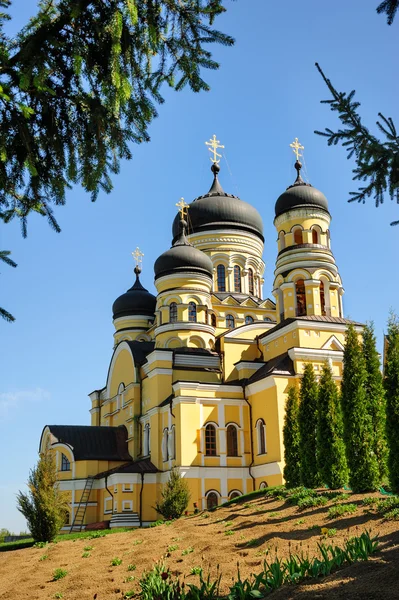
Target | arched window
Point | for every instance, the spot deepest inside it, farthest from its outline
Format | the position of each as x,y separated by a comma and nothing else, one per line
146,445
263,485
172,443
249,320
300,298
237,279
210,440
65,464
298,236
206,315
232,441
165,448
173,312
234,494
67,518
281,237
315,236
212,500
213,320
230,322
322,299
267,319
251,281
221,278
192,312
328,238
261,431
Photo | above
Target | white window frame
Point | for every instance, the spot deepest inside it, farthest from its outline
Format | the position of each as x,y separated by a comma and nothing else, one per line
127,505
106,501
172,443
127,487
258,434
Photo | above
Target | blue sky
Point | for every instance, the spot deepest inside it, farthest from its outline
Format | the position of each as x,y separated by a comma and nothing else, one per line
266,92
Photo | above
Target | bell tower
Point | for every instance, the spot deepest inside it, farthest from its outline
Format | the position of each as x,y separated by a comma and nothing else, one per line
307,281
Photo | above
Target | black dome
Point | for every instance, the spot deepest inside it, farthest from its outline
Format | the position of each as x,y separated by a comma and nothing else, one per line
218,210
183,257
136,301
300,194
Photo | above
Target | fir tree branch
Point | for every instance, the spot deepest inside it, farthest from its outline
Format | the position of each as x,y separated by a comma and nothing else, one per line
389,7
377,161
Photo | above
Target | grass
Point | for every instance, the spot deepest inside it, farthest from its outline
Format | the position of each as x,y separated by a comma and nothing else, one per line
340,510
59,574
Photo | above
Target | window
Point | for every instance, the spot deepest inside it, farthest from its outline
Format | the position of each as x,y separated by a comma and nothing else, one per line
237,279
263,485
281,238
232,442
315,236
212,500
234,494
65,464
165,448
213,320
261,430
192,312
172,443
322,299
230,322
127,487
127,505
146,446
210,440
251,281
267,319
298,236
221,278
67,518
173,312
249,320
300,298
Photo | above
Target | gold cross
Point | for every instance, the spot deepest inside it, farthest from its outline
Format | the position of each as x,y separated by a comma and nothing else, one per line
296,147
138,256
183,207
214,145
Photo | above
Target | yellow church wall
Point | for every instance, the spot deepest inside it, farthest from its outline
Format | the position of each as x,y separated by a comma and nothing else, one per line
232,414
212,484
155,390
122,372
197,375
151,493
236,484
234,352
265,405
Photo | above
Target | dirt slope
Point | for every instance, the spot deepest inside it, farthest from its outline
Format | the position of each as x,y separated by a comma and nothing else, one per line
257,526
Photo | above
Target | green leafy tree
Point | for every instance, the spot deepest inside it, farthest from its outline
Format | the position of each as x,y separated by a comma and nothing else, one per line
175,496
391,384
81,82
331,459
358,427
377,160
44,506
308,427
3,534
5,257
375,396
292,461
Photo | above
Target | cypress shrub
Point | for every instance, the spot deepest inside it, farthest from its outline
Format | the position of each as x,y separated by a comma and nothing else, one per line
375,395
391,384
358,430
331,459
308,427
292,464
175,496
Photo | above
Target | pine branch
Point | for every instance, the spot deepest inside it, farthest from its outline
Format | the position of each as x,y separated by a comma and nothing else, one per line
389,7
377,161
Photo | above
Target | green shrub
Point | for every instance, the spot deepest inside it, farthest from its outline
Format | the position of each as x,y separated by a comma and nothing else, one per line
59,574
341,509
369,501
392,515
175,496
311,501
387,504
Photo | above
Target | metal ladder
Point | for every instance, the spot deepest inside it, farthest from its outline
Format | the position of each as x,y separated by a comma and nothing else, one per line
81,510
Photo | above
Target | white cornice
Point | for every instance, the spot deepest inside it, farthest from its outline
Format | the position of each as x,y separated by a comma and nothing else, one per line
262,384
158,355
158,371
247,328
185,326
315,354
205,387
183,276
311,325
305,213
247,365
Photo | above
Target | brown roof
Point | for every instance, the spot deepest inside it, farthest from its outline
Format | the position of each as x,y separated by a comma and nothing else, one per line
139,466
93,443
279,365
314,318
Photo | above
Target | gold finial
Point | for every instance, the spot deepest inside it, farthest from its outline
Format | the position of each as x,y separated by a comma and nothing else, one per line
138,257
214,145
183,207
296,147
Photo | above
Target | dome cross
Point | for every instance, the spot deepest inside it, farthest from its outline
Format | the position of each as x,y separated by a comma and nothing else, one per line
183,207
214,145
296,148
138,257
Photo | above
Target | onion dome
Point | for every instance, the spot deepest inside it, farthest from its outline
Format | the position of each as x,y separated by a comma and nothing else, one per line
218,210
136,301
182,257
300,195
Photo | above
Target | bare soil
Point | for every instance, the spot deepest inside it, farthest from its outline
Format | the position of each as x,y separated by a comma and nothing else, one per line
259,526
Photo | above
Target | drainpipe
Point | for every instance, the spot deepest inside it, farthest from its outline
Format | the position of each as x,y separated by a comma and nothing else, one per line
109,492
141,500
251,434
140,414
260,351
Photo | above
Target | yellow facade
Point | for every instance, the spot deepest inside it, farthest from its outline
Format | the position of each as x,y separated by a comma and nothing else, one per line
200,384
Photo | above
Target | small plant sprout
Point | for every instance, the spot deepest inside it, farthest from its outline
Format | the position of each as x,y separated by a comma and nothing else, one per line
229,532
196,571
300,522
86,555
172,548
44,557
188,550
88,548
115,562
137,542
129,579
131,567
58,595
59,574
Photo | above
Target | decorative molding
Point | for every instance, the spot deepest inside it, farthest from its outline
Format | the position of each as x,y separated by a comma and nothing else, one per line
315,354
205,387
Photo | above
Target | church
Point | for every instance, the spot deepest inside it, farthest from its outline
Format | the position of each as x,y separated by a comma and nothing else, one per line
199,373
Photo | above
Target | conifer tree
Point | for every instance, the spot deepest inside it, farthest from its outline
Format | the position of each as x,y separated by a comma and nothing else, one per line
375,397
358,431
292,465
391,384
331,459
175,496
308,427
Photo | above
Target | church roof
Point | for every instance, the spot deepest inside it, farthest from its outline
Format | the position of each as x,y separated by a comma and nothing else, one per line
218,210
90,442
279,365
143,465
136,301
314,318
300,195
140,350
